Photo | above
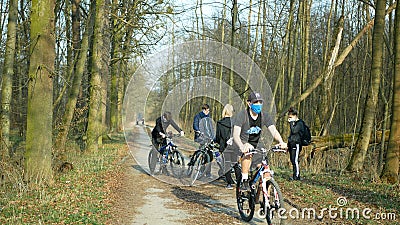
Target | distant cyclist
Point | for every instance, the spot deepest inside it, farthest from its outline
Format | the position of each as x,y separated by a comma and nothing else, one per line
247,128
158,133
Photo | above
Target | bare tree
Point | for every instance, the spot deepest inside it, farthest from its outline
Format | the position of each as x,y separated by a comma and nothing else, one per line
8,73
40,93
75,87
358,156
94,127
390,173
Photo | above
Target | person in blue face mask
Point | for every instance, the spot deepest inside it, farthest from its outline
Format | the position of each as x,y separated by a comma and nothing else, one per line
247,128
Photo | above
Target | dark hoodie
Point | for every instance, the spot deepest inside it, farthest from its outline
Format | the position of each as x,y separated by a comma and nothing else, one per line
296,132
161,126
223,132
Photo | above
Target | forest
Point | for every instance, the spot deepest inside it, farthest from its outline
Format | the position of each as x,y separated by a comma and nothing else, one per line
66,66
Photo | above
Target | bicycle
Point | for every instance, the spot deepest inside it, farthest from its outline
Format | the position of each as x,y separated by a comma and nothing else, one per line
262,181
159,162
200,162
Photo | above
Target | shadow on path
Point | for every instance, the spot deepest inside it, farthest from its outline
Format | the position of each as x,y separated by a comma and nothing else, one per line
210,203
140,169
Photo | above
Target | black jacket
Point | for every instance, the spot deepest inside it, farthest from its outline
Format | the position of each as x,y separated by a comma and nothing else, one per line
161,126
296,131
223,132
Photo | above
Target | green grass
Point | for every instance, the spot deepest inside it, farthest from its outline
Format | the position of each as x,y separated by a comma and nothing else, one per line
323,190
77,197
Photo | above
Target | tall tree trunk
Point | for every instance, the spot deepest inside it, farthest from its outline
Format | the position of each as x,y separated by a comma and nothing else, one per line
390,173
305,48
115,69
76,26
8,72
234,14
325,106
357,158
75,87
255,45
40,93
221,69
93,132
292,54
285,54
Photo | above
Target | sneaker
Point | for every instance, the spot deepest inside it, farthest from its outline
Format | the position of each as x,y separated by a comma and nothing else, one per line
298,178
229,187
244,186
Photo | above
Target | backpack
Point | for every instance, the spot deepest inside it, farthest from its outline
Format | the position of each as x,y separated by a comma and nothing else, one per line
306,137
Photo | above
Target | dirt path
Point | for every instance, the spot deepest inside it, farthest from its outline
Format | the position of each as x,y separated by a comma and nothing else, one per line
143,199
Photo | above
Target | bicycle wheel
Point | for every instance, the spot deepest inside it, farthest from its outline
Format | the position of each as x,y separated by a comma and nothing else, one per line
153,160
274,203
245,200
177,163
192,159
199,167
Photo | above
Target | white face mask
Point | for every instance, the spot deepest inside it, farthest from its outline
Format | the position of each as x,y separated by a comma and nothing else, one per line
291,120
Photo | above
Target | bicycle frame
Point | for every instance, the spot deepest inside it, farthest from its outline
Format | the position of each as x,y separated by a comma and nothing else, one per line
261,181
263,174
170,154
170,144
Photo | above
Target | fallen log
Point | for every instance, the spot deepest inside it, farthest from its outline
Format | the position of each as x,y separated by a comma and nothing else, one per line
343,140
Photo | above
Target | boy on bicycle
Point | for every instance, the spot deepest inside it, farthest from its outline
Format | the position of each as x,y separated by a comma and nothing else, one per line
247,129
158,134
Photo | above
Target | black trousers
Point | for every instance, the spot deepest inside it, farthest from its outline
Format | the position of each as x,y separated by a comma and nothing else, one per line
158,143
294,152
230,159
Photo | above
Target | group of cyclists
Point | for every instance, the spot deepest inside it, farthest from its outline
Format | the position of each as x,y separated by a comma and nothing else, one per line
238,134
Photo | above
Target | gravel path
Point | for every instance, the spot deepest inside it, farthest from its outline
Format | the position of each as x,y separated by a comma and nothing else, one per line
161,200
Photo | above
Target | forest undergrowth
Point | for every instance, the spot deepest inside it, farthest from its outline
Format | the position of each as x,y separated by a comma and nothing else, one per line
81,195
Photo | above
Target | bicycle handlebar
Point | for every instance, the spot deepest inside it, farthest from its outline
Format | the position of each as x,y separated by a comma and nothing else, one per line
172,135
263,150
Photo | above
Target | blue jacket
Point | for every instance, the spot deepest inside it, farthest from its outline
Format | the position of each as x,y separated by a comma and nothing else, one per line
196,122
197,119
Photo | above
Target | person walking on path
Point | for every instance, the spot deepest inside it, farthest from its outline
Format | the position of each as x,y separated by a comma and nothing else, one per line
223,138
